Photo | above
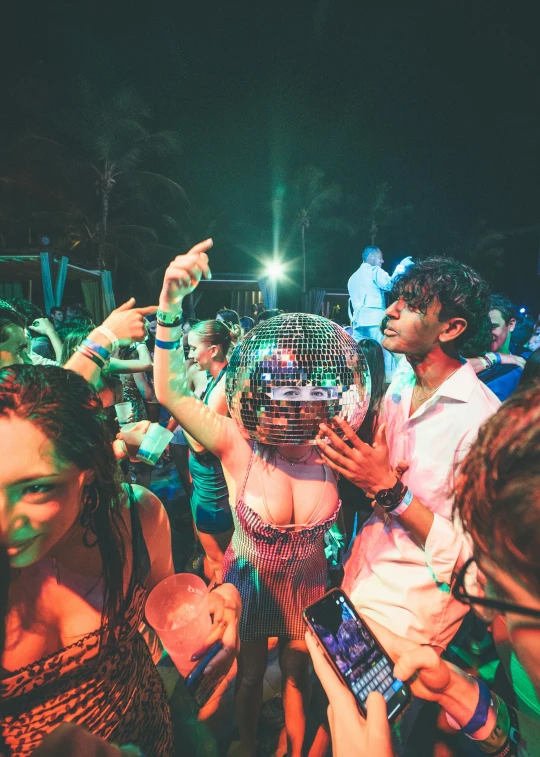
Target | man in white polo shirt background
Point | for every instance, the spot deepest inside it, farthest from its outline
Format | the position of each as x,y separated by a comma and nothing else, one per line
367,287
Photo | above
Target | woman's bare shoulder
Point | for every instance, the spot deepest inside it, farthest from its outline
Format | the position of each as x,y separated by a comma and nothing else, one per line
156,531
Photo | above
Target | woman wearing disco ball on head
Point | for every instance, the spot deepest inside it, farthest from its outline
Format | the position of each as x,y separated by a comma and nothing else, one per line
289,374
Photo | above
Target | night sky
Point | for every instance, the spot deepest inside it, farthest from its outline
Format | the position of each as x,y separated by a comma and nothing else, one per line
441,100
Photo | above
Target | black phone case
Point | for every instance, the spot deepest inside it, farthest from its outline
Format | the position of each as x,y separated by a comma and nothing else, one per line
339,592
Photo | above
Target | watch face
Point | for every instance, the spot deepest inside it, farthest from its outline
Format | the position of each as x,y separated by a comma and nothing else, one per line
387,500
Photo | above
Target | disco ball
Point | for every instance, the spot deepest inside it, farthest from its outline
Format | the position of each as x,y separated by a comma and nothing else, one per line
291,373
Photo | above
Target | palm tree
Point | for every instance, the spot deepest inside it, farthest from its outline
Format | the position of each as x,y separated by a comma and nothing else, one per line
309,201
102,177
380,213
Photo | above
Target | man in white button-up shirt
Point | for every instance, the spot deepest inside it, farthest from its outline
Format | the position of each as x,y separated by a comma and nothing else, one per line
402,563
367,287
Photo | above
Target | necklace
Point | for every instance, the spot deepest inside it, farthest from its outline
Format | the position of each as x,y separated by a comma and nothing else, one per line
297,460
427,396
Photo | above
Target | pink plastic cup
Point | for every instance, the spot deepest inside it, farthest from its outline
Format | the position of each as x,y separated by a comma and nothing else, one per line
177,609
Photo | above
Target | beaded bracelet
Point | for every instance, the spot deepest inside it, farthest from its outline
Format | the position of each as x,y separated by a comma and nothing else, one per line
103,352
91,356
167,345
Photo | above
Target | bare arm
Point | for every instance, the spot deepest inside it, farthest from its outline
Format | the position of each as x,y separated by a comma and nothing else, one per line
479,365
128,366
45,327
126,322
157,535
139,365
212,431
143,386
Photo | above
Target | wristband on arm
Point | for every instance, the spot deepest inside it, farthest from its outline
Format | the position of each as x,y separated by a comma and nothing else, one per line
496,358
169,320
110,335
91,356
167,345
505,738
103,352
404,504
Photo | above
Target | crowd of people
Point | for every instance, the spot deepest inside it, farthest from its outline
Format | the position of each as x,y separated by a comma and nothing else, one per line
431,501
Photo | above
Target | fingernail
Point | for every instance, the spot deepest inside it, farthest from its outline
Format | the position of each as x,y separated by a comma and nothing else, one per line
208,276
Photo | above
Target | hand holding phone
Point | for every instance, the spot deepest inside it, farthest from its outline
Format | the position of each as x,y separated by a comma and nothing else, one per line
202,687
354,653
352,734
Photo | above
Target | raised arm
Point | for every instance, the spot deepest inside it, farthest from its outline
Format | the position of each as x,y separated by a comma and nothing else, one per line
211,430
45,327
125,324
141,364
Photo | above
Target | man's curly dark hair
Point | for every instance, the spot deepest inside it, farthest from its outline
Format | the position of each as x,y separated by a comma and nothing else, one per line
461,291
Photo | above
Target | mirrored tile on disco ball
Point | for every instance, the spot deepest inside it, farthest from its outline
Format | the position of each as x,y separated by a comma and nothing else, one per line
293,372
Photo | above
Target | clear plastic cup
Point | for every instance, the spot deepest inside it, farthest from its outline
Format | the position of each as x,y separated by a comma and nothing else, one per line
153,443
124,412
177,609
132,439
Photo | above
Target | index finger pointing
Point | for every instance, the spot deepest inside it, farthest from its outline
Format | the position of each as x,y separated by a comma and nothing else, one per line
147,310
127,305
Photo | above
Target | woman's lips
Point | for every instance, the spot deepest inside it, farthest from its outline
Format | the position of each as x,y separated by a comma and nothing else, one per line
21,546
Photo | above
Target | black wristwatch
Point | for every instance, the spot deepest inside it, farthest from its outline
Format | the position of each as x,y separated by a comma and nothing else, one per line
389,499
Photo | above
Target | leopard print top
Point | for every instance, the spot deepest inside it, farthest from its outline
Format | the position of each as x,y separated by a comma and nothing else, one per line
113,691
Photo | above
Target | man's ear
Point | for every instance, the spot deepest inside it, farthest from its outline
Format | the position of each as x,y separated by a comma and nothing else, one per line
454,328
512,324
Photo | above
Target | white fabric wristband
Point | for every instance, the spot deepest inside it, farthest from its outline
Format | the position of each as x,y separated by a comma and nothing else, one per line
110,335
404,504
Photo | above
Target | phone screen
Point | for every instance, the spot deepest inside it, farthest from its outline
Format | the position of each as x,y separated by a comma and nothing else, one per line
355,652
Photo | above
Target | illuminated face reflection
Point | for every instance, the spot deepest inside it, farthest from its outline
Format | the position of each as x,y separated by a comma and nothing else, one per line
303,393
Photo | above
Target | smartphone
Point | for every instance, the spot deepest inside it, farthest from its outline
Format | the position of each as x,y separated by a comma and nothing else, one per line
355,654
202,687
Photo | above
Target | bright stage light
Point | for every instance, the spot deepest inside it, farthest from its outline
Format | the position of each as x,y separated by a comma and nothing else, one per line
523,310
275,269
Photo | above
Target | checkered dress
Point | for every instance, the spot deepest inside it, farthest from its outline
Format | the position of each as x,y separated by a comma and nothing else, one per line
278,572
